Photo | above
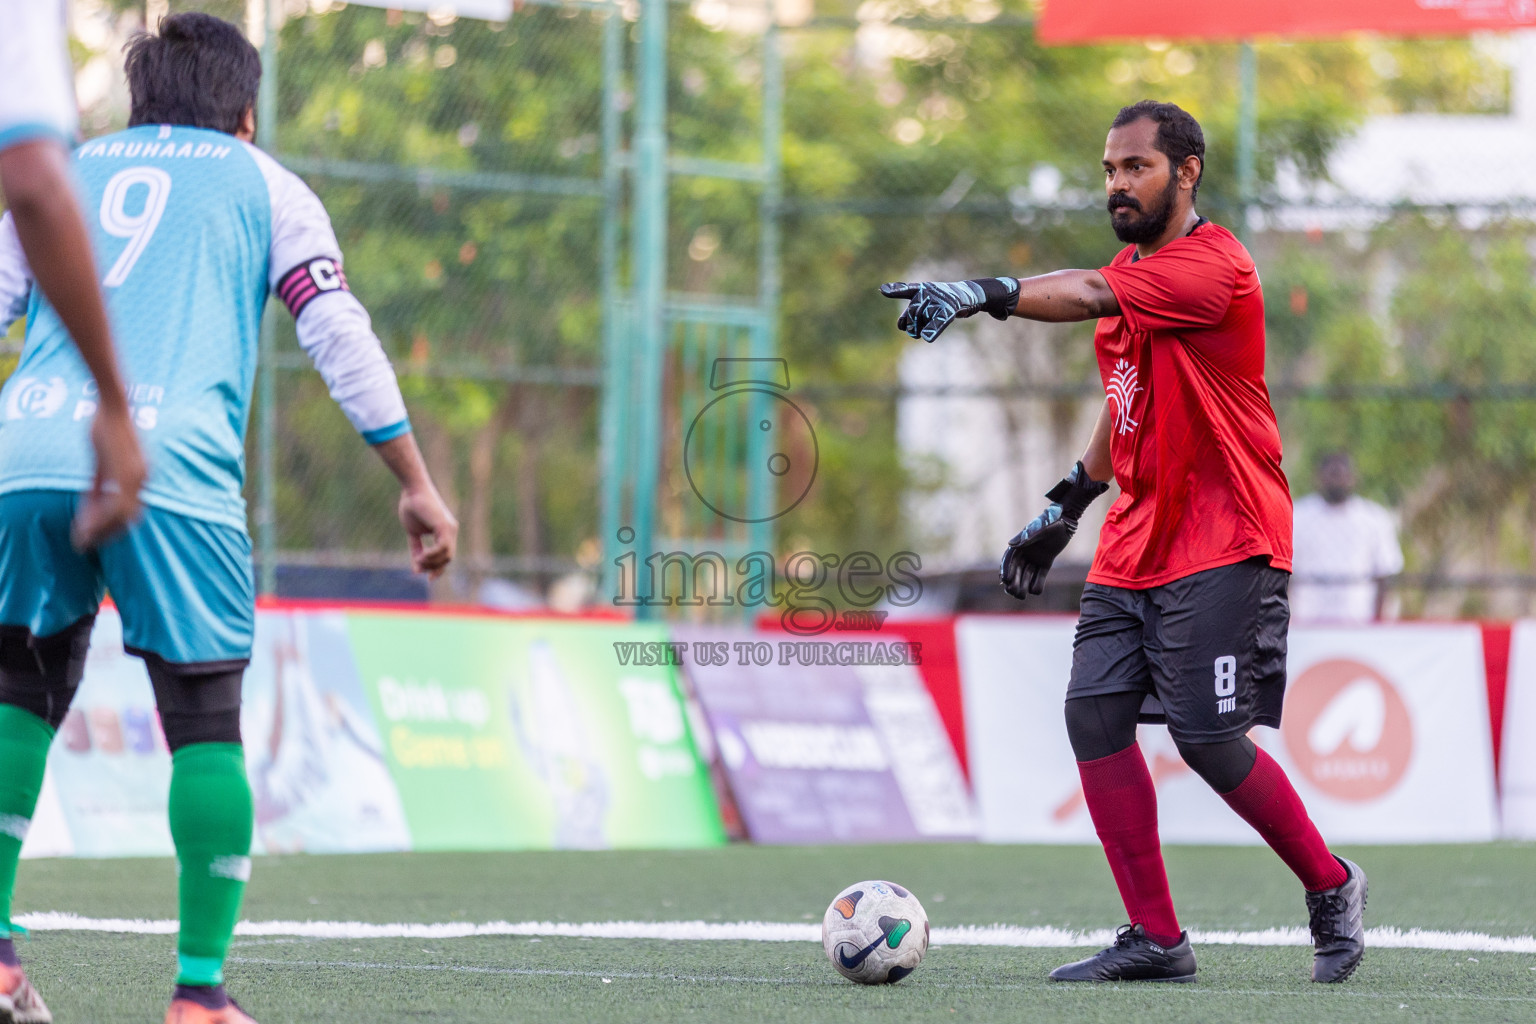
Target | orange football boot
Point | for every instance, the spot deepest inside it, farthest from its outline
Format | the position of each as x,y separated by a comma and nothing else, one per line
186,1011
19,1001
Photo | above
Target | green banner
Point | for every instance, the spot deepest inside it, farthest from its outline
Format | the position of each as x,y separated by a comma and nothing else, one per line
507,734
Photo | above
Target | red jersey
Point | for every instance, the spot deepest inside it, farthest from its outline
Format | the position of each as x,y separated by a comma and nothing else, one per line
1195,445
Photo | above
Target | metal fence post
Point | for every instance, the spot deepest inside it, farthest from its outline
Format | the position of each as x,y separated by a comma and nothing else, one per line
765,334
616,376
649,273
1247,131
266,398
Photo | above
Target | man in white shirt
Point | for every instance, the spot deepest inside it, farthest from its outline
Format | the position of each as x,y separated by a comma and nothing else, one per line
1344,546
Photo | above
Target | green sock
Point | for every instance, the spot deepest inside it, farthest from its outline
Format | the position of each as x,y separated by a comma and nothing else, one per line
211,822
24,742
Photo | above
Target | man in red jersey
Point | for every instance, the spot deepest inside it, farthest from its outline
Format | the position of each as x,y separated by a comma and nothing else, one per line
1184,616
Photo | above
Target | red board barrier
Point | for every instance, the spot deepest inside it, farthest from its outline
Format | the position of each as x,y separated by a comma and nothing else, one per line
1094,21
1496,636
940,670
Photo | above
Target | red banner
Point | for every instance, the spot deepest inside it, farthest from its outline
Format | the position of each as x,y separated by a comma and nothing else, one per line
1094,21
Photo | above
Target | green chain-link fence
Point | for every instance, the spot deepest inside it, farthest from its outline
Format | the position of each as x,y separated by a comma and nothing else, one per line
492,190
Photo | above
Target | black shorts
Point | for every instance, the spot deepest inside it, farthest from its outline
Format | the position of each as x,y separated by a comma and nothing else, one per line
1208,650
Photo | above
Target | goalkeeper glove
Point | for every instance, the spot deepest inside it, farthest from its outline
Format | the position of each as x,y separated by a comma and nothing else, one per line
1033,549
934,305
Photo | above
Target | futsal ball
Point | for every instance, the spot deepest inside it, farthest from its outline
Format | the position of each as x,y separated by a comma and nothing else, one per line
875,933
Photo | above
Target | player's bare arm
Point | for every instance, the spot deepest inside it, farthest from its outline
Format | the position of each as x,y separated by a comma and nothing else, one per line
431,527
1065,296
47,220
1096,459
334,328
1151,202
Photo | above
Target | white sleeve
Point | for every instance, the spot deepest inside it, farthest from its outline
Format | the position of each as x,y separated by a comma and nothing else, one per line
333,327
37,95
15,276
339,338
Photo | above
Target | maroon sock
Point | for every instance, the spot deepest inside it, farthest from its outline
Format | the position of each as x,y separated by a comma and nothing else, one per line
1123,805
1267,801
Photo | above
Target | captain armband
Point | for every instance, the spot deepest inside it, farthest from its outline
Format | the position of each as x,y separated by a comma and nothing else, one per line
310,280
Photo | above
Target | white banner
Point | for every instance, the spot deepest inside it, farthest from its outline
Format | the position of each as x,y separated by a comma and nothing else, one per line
490,10
313,755
104,794
1385,737
1518,775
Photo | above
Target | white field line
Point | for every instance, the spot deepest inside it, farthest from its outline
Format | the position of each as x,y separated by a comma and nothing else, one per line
536,972
766,931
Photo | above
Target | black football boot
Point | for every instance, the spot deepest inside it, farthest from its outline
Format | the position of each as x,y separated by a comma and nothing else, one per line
1133,957
1338,926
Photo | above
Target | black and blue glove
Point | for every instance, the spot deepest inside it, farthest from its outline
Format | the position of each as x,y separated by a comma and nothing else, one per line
934,305
1033,549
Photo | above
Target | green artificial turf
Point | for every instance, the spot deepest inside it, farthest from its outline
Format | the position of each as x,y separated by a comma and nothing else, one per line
108,977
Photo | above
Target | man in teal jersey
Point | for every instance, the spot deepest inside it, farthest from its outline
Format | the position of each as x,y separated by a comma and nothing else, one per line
195,228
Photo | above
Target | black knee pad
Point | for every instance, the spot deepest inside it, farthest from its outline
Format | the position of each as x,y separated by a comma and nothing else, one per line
198,702
1102,725
41,674
1223,766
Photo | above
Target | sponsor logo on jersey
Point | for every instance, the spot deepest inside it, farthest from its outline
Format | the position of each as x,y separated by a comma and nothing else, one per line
1226,704
35,398
1122,390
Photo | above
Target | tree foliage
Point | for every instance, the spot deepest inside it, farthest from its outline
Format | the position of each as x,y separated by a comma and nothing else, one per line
932,133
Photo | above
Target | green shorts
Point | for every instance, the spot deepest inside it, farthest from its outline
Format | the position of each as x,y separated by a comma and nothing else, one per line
183,586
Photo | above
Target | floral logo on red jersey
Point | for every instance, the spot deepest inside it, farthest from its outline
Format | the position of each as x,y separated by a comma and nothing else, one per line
1122,391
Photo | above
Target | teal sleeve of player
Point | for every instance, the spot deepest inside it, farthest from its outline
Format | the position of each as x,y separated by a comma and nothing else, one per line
16,134
389,433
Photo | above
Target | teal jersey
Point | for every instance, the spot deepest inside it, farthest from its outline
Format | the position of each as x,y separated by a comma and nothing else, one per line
182,238
192,229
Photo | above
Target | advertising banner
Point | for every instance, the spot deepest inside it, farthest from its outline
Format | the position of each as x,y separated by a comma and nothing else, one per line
1518,775
490,10
369,731
1093,21
821,752
109,770
1386,733
532,734
940,671
1385,737
313,752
